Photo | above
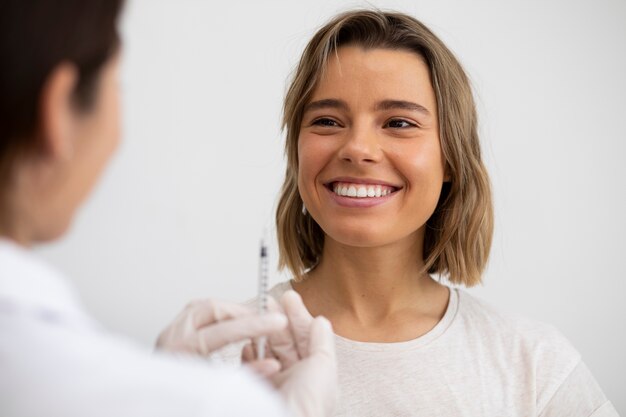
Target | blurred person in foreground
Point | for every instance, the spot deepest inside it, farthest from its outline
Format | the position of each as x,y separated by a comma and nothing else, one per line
59,125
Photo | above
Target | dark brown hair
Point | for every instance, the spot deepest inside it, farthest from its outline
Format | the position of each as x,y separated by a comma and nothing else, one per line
35,37
458,235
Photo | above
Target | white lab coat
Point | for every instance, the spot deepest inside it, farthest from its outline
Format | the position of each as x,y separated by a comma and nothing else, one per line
57,361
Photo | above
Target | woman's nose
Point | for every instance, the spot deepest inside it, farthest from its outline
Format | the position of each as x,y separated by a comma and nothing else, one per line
361,146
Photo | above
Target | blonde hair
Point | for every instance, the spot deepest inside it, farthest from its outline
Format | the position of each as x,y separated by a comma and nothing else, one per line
458,235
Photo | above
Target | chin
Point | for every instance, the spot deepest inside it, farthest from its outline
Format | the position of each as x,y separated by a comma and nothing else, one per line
359,237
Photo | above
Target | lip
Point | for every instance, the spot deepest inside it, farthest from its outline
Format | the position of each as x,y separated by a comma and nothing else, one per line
352,202
361,181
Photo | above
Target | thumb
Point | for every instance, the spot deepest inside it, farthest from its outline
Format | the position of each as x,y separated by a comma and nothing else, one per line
322,338
325,378
300,321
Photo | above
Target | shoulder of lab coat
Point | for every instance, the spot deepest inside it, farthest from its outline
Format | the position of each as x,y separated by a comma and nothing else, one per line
57,361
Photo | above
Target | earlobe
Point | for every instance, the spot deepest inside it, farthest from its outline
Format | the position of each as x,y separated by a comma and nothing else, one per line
57,115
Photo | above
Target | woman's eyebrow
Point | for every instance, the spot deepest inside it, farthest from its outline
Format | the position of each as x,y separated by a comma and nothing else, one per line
402,104
325,104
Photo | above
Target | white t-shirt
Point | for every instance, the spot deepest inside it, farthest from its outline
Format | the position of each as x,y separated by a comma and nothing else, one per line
475,362
55,361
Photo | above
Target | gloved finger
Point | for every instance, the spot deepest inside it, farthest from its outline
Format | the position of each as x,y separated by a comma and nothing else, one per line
220,334
322,353
265,367
299,320
318,370
249,352
274,306
291,345
181,334
322,340
206,312
283,346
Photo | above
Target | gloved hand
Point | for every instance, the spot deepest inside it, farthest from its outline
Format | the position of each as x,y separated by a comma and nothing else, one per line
306,351
205,326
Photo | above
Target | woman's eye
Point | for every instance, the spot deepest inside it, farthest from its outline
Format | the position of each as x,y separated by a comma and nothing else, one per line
325,122
399,124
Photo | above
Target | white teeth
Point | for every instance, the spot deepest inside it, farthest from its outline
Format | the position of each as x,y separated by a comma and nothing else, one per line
361,191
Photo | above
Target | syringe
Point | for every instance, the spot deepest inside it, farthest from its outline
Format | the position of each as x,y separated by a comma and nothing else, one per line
262,293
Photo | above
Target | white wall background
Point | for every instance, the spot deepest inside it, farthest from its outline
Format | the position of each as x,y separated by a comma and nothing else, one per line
179,212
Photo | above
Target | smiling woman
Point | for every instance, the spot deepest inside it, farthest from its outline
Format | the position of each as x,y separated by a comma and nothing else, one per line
378,137
384,186
415,89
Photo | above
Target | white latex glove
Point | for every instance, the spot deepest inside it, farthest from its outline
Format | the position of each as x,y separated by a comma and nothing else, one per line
205,326
306,351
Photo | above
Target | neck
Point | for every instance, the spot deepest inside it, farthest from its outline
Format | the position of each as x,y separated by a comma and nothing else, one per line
11,229
368,284
13,226
22,208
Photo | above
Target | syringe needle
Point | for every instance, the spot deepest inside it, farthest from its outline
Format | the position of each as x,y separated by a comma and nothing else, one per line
262,293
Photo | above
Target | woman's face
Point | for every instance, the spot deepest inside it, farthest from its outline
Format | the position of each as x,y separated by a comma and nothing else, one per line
370,162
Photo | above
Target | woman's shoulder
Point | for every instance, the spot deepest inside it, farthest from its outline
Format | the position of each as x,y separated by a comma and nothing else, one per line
535,351
484,317
528,348
277,291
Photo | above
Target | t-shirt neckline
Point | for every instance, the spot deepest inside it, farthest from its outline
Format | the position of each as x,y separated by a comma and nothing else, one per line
432,334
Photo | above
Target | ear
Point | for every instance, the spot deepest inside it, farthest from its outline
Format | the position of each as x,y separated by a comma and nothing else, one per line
57,113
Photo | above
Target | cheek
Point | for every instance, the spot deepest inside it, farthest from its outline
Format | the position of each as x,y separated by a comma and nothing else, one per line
315,153
423,170
306,170
108,118
312,157
112,116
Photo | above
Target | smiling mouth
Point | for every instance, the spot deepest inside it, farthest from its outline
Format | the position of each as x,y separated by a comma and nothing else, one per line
354,190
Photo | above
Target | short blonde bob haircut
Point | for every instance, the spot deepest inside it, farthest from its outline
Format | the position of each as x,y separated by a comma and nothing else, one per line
457,237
